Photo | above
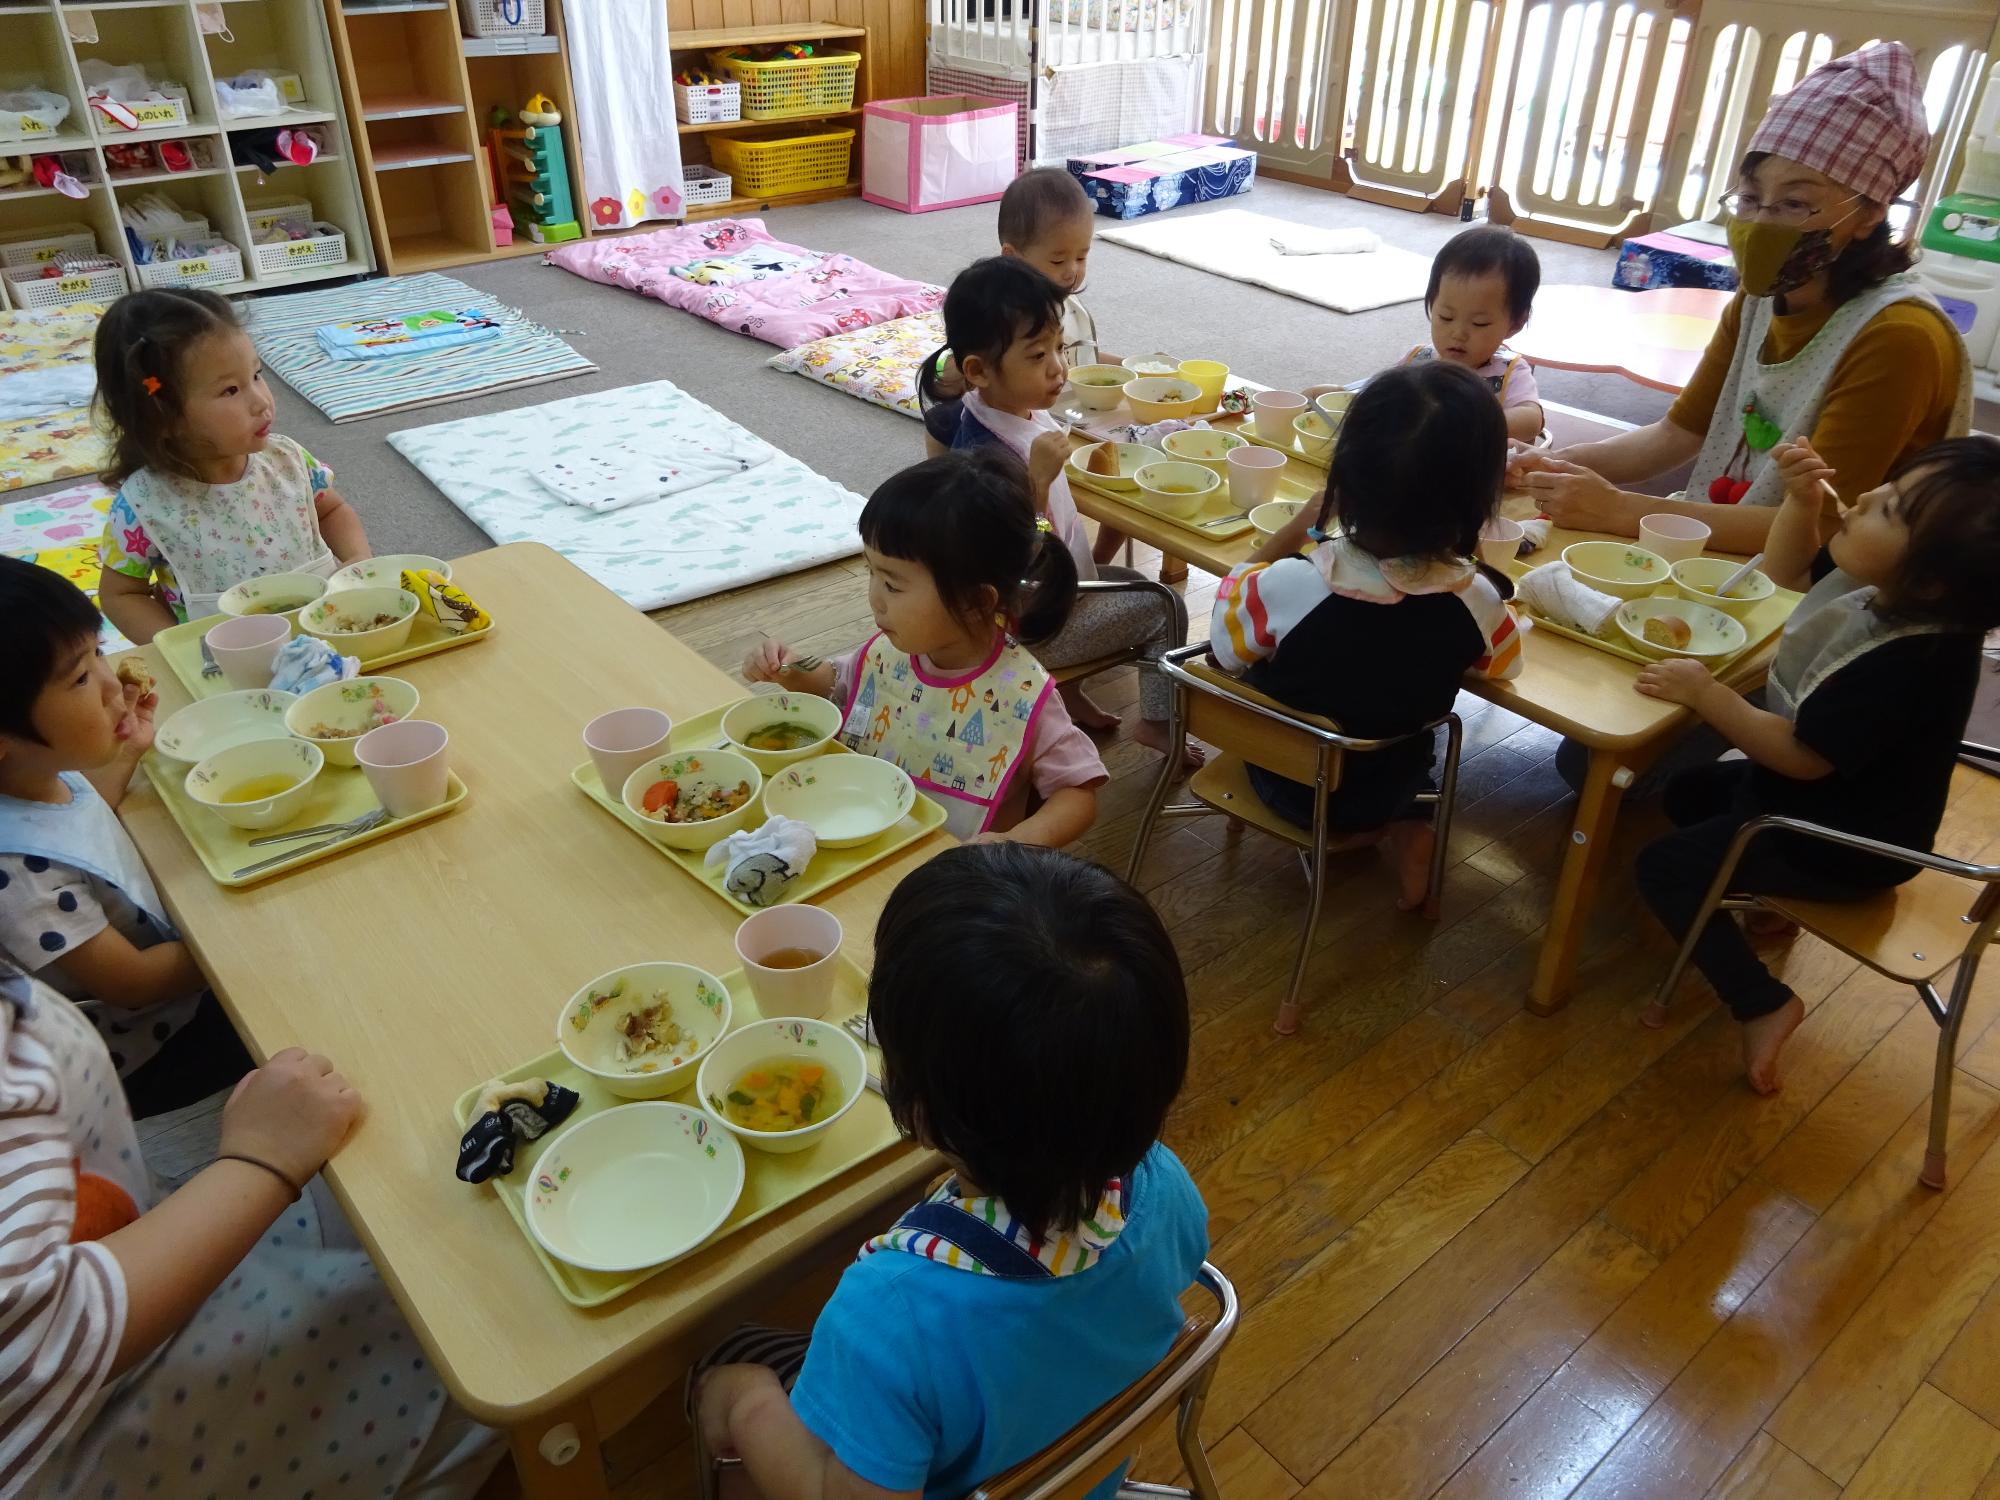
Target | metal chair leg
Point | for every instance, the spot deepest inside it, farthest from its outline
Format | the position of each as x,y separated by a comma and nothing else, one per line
1194,1457
1933,1173
1655,1014
1288,1009
1162,787
1447,799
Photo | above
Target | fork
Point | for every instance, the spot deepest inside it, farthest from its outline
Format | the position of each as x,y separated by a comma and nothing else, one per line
857,1027
1241,515
209,666
353,825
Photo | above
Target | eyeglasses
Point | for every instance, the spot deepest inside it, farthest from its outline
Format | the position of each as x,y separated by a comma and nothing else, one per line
1793,211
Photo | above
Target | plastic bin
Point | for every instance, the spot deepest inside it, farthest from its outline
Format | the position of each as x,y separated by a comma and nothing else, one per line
293,213
151,114
703,185
502,17
793,164
786,87
221,264
938,152
701,103
32,290
34,247
326,247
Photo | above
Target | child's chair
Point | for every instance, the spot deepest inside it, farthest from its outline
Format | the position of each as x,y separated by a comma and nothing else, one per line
1176,606
1253,728
1911,932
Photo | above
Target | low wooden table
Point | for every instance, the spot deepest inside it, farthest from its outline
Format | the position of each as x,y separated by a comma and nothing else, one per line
1655,338
437,958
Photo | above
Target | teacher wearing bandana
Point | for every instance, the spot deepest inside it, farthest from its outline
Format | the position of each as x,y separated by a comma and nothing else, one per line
1829,337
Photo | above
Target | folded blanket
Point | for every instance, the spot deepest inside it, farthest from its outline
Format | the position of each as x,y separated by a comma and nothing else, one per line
411,333
1309,241
45,391
1553,592
634,473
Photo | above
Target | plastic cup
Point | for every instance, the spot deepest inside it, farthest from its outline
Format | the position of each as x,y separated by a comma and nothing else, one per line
1499,542
800,990
1253,476
406,765
246,646
623,740
1274,412
1208,376
1674,537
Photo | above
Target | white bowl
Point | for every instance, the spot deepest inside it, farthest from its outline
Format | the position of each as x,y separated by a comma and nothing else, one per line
1153,364
791,1038
1271,516
1132,457
1202,445
1179,489
844,799
1099,387
1698,578
213,778
274,594
1314,434
695,772
764,710
1331,405
587,1027
1623,570
1158,398
1715,635
355,706
340,619
209,726
387,571
634,1186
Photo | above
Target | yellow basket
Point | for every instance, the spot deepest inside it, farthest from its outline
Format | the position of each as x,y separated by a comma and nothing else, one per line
794,164
790,86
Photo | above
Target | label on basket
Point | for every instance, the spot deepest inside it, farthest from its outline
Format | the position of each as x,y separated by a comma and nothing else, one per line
73,283
299,248
194,268
165,112
31,126
48,252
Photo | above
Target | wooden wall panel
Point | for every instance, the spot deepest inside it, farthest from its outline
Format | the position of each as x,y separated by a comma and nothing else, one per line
895,30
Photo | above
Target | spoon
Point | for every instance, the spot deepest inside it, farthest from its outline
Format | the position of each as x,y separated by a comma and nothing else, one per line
1728,584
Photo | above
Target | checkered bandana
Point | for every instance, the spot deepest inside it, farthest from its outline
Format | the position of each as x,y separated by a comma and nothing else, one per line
1859,119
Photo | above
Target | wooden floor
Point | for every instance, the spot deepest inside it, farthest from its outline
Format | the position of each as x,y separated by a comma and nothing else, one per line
1483,1253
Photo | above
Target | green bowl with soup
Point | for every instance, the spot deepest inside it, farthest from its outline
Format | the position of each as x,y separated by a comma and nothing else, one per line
772,730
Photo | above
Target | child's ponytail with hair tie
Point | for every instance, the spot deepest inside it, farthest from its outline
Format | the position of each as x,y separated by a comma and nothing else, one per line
929,382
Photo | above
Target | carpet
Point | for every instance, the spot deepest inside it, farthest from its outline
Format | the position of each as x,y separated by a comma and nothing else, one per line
35,450
777,518
63,531
347,390
1236,243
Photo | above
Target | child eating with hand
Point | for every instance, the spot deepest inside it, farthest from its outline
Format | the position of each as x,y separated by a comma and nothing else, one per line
1481,292
1045,1275
77,907
207,496
1868,699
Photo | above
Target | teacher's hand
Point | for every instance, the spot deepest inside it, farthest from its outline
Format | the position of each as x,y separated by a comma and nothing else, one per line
1577,498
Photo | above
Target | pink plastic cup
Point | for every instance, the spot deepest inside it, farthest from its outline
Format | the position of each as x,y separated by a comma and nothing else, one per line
1274,413
1674,537
406,765
1253,475
800,990
623,740
246,646
1499,542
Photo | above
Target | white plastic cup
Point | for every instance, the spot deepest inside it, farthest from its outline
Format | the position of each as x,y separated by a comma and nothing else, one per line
246,646
623,740
1274,412
405,763
790,992
1674,537
1499,542
1253,476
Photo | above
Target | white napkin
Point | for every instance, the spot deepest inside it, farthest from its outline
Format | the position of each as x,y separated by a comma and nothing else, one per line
1305,240
1535,534
634,473
1553,592
759,866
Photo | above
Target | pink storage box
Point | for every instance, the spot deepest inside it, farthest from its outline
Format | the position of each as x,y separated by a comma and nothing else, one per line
939,152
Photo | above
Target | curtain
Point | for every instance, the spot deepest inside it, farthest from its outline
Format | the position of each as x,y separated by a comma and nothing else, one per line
625,123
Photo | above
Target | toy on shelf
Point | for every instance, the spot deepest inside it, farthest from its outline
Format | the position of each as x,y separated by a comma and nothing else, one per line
57,173
533,172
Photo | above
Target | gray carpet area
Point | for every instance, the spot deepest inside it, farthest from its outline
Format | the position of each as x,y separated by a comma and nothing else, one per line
1140,302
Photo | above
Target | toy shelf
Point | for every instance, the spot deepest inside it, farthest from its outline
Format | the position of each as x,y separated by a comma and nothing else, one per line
424,95
165,36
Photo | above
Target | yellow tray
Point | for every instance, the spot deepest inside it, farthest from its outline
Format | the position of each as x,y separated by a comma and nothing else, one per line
339,795
1242,425
769,1182
829,867
1762,622
1218,516
180,646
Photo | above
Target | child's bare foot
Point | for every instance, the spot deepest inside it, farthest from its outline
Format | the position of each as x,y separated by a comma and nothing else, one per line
1764,1038
1152,733
1769,924
1409,845
1084,713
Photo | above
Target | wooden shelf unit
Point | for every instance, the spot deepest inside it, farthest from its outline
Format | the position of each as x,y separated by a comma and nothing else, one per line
165,37
423,93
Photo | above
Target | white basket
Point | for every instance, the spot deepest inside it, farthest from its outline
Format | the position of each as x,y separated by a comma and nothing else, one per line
34,123
36,291
495,17
152,113
188,227
700,185
702,103
34,247
220,265
293,213
327,247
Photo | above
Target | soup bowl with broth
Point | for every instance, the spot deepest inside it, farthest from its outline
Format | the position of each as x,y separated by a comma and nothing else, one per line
778,1086
771,730
1179,489
264,784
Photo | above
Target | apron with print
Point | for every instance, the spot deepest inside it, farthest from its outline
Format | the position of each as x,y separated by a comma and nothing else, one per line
961,739
1424,354
1791,393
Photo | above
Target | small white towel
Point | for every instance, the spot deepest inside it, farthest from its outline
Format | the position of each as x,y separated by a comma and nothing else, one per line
760,866
1535,534
45,391
1305,240
634,473
1553,592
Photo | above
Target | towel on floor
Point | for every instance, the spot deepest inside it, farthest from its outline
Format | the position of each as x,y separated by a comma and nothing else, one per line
409,333
45,391
1552,592
634,473
1305,241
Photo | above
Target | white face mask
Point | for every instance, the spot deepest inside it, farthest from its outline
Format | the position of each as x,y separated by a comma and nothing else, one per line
212,23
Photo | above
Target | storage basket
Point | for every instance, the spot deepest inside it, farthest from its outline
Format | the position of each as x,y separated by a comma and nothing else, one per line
30,289
31,247
326,247
703,185
502,17
293,213
151,114
160,239
701,103
794,164
30,113
789,86
219,265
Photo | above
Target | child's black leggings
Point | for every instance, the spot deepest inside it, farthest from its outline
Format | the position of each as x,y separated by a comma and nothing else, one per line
1708,805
